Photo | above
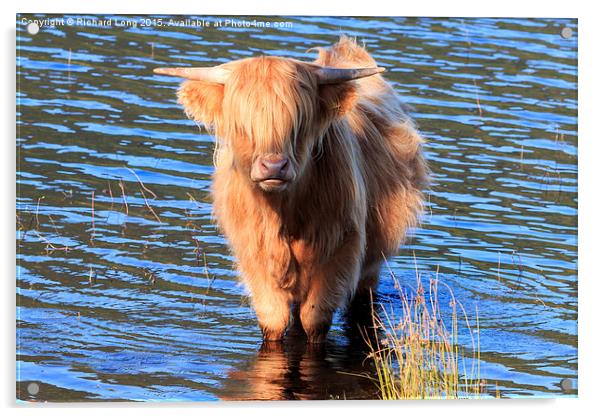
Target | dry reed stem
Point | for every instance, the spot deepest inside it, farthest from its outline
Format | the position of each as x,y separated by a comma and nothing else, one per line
37,212
142,189
123,195
476,91
111,195
142,184
69,66
150,208
93,224
49,246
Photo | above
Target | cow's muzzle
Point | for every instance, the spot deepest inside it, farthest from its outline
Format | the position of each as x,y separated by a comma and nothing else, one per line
272,172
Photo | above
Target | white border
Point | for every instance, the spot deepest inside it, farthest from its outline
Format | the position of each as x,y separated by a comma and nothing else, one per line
590,113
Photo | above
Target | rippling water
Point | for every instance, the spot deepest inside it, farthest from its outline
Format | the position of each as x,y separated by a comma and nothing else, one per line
127,292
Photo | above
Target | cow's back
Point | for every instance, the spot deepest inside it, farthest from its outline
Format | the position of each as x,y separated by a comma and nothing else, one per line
395,170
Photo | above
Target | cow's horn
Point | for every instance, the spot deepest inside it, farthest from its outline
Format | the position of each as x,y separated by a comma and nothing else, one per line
328,75
216,74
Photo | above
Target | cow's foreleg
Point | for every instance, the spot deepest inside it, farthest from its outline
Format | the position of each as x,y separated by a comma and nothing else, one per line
330,286
316,316
272,306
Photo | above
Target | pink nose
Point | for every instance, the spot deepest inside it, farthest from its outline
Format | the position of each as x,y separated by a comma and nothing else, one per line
273,167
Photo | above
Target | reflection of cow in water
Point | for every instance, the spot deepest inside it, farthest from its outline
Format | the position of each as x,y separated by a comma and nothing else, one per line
319,173
291,370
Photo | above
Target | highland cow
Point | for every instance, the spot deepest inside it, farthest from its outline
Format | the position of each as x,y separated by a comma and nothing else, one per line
319,174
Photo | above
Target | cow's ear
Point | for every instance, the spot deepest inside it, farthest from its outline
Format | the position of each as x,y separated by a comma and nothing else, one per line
201,100
337,99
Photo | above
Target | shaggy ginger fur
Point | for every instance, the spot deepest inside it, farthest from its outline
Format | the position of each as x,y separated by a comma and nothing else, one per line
357,168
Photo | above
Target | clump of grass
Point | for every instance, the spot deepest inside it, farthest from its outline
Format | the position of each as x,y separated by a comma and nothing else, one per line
416,353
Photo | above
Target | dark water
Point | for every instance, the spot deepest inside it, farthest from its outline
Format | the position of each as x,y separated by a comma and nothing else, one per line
142,309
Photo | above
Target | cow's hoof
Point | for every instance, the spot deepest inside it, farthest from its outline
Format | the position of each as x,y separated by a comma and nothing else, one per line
272,335
319,339
271,347
317,335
